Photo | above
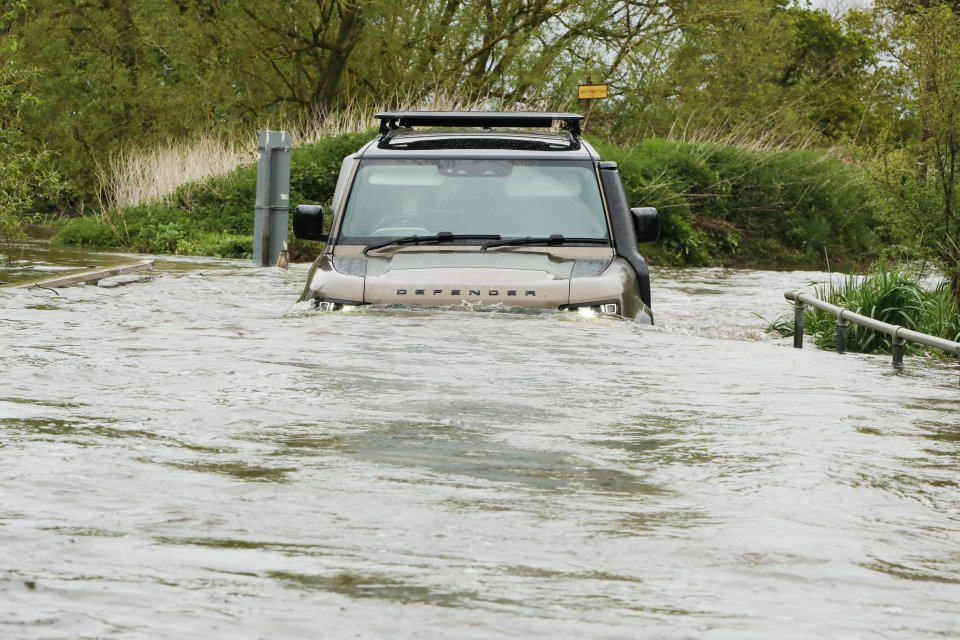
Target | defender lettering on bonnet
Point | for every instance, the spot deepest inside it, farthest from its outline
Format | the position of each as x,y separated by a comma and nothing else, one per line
483,207
472,292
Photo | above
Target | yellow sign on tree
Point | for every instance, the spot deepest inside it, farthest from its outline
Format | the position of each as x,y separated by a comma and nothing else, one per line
591,91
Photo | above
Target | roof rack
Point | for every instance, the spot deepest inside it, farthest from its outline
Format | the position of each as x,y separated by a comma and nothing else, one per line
393,120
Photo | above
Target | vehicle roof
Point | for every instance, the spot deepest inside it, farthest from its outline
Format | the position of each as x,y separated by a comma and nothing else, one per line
538,119
488,134
509,144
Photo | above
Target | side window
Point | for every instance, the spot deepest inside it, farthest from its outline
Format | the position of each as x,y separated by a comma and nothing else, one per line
341,182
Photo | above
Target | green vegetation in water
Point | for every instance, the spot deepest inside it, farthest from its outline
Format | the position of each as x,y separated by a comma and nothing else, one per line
81,431
355,585
220,543
238,470
897,296
92,532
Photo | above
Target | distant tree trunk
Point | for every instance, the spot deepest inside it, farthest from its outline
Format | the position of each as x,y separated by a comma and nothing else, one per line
935,63
348,34
128,53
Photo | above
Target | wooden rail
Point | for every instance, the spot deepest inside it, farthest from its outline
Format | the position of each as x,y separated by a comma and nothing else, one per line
89,276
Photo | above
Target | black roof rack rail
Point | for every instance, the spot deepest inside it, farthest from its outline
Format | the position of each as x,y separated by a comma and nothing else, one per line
393,120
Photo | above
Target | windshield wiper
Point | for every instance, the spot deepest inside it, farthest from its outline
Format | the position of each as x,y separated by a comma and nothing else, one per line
443,236
555,239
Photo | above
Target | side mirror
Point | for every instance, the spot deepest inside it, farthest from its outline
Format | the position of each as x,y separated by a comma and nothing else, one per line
308,222
646,221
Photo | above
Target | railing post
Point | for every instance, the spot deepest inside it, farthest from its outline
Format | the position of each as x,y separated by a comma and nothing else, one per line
898,335
842,325
898,344
798,324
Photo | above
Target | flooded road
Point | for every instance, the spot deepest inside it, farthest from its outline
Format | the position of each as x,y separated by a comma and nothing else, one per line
195,455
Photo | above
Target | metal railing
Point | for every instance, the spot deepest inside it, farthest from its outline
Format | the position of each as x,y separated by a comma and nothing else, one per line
899,335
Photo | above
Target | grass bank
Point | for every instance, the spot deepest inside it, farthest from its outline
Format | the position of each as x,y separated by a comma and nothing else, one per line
213,216
720,204
899,296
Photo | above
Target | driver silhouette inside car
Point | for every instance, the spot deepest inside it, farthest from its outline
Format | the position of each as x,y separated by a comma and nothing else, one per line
407,216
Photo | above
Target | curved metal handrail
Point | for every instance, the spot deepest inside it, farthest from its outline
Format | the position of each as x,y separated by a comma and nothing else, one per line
899,334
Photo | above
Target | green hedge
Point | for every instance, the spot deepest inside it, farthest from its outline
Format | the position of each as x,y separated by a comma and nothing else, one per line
722,205
719,205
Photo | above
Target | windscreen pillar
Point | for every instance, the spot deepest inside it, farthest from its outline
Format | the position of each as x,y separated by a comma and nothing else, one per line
272,208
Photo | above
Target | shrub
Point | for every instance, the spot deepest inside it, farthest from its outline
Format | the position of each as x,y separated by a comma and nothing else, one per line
723,204
316,167
87,232
897,297
653,176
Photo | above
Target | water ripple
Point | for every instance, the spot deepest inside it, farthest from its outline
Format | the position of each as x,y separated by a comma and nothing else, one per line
198,455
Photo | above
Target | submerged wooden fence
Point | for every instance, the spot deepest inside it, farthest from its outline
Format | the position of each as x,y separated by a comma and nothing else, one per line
89,276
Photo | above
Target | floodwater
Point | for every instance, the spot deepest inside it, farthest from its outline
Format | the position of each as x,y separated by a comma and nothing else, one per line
196,455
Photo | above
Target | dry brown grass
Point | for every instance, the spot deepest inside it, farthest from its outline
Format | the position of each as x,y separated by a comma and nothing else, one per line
746,136
357,117
137,176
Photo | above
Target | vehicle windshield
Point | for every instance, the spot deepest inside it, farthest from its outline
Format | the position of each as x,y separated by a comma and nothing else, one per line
506,198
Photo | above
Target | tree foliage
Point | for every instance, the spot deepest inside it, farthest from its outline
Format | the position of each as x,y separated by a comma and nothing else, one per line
934,61
118,72
917,177
25,175
770,67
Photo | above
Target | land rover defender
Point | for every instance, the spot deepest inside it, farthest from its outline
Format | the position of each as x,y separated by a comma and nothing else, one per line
476,208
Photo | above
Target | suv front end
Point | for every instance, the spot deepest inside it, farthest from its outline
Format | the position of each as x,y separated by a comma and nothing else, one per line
511,219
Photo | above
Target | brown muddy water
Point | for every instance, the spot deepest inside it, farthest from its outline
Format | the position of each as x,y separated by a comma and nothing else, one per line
196,455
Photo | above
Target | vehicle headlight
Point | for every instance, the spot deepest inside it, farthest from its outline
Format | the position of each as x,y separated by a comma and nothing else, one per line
593,309
338,305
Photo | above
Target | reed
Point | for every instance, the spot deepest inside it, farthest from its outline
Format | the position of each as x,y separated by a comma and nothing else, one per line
138,176
910,298
356,117
745,136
